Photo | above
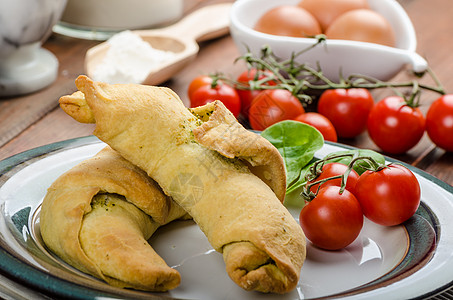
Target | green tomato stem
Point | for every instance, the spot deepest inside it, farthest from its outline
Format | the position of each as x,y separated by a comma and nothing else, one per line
300,78
316,169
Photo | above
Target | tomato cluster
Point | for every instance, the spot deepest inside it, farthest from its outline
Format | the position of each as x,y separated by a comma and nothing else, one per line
333,218
262,107
394,124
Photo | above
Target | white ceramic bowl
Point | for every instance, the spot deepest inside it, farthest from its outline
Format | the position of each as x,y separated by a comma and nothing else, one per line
101,19
120,15
351,57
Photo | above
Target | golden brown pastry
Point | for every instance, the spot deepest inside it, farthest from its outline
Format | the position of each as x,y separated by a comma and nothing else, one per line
98,217
225,177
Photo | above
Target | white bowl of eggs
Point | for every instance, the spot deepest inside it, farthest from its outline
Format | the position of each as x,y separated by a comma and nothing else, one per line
368,37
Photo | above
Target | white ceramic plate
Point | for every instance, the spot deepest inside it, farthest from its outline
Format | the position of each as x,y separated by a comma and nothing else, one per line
414,260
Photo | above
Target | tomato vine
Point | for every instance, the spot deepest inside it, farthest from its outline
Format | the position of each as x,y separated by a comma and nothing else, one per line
302,80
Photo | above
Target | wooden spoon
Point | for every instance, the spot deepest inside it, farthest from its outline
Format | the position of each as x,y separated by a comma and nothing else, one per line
181,38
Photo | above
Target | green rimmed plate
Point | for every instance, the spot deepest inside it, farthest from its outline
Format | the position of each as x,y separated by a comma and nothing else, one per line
407,261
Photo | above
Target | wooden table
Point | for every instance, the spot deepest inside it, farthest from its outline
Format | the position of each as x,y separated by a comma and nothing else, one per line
34,120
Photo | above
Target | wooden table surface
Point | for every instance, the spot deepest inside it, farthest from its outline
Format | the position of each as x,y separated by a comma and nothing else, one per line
34,120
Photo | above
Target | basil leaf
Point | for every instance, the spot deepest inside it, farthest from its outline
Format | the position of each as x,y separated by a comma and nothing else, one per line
293,197
297,143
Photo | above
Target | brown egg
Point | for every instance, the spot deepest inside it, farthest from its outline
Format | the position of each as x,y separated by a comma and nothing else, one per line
362,25
326,11
288,20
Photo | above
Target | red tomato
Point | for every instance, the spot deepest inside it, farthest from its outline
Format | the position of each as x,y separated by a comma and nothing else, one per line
347,109
439,122
335,169
248,95
198,82
223,92
321,123
332,220
272,106
394,126
390,196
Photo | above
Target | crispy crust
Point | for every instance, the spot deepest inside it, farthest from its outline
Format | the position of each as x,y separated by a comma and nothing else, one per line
85,245
221,132
75,105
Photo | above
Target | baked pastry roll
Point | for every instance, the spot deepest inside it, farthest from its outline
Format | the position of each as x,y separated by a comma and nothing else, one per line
230,180
98,217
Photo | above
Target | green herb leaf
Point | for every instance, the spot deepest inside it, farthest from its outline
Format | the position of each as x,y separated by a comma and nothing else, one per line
293,197
297,142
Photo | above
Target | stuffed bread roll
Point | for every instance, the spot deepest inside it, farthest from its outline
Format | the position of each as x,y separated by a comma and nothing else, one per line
98,217
230,180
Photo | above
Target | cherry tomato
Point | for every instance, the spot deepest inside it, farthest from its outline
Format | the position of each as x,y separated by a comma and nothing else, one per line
332,220
335,169
288,20
347,109
248,95
362,25
223,92
439,122
198,82
389,196
394,126
321,123
272,106
325,11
